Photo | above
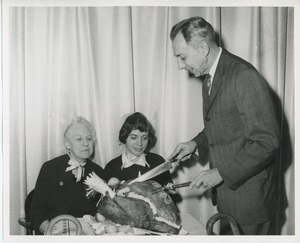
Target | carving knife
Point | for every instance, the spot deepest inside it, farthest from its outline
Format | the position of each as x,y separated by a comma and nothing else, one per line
167,165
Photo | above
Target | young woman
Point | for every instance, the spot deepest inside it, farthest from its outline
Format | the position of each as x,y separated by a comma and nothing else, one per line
136,135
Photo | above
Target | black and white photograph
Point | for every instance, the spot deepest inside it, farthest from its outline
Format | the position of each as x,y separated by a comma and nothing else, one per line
170,121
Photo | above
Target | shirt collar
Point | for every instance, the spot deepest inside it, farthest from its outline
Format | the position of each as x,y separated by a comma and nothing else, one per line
129,160
213,68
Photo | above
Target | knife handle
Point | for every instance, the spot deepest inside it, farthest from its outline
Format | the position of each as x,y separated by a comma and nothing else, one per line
182,184
173,160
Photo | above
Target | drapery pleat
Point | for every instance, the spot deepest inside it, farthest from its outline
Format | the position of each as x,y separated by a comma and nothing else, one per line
106,62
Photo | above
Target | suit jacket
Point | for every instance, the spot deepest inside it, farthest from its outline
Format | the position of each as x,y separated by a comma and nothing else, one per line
56,192
241,132
113,169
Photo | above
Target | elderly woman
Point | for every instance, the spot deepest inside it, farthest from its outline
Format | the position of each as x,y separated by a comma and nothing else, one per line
136,135
59,188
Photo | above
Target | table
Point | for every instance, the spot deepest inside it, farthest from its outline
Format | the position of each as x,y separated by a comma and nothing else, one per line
190,226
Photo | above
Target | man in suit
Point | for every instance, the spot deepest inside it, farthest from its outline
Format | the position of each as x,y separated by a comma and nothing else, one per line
241,130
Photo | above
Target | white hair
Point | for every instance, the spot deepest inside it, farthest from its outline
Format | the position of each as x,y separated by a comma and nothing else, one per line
83,121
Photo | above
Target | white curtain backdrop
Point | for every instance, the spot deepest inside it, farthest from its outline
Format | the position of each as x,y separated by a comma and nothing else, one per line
104,63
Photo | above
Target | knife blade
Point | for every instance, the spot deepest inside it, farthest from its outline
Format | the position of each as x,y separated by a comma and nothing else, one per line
167,165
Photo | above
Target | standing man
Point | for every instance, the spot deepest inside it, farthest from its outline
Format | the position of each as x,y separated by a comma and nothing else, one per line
241,130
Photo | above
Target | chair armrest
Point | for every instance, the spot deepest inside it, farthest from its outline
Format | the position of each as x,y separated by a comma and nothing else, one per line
24,223
211,221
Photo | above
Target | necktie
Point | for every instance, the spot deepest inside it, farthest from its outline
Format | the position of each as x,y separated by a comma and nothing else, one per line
208,83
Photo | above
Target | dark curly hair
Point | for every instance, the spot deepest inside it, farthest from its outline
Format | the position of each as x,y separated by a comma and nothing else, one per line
136,121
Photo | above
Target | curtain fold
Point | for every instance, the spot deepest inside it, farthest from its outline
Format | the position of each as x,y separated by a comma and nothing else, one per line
106,62
18,165
286,208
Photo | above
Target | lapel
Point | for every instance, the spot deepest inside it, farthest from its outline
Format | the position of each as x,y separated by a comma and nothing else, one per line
66,179
216,85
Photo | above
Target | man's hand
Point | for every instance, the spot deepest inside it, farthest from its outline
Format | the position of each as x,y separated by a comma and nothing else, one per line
183,151
207,179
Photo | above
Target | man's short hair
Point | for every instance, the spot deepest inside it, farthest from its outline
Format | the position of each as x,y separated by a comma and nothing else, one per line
193,29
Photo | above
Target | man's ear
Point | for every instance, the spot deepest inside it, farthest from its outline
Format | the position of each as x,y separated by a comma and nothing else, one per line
204,47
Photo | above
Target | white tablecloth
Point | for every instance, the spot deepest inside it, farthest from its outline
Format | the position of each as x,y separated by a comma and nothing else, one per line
190,226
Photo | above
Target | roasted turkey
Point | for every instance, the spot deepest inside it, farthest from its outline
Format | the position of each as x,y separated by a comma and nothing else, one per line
137,205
